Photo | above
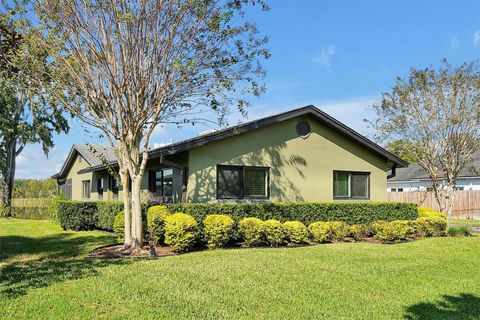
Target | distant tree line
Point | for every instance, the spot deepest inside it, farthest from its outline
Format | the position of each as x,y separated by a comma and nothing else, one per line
32,188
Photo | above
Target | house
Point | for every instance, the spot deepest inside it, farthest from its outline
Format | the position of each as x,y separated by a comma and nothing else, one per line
299,155
415,178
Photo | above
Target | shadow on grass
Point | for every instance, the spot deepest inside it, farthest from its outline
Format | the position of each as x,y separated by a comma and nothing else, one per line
54,258
464,306
52,246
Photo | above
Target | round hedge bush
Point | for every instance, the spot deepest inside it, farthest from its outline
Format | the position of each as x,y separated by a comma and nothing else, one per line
296,232
218,230
320,232
119,225
251,230
358,231
156,216
427,213
432,226
274,232
180,231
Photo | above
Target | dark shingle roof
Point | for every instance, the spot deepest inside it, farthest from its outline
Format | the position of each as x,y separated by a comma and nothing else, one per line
315,113
415,172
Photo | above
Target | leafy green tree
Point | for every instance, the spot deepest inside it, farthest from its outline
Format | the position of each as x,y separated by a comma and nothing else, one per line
28,113
133,65
403,149
438,113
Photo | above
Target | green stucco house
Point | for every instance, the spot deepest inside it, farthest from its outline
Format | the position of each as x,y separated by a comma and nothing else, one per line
299,155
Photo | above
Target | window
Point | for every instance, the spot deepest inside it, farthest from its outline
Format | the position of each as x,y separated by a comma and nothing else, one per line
161,182
242,182
86,189
115,188
100,188
351,185
400,189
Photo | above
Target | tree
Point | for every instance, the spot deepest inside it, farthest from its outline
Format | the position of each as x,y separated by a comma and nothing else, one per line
133,65
402,149
438,113
28,114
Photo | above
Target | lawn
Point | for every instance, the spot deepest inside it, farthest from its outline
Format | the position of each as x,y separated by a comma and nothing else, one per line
44,274
465,222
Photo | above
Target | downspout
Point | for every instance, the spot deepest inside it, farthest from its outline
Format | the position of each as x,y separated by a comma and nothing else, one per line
393,172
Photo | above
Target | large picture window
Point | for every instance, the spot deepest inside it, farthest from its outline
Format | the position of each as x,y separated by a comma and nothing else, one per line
86,189
161,182
351,185
235,182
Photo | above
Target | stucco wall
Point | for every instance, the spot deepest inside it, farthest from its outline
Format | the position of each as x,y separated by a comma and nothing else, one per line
78,178
300,169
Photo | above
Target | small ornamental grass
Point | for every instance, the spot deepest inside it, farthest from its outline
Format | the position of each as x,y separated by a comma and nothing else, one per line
296,232
180,231
461,231
274,232
251,230
156,216
218,230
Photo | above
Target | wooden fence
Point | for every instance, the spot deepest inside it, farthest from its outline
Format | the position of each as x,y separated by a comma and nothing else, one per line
467,202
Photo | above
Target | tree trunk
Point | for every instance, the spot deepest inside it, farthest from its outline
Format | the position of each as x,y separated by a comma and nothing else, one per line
451,200
137,242
126,209
9,175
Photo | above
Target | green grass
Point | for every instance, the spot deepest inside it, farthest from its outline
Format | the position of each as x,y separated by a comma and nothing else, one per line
465,222
45,275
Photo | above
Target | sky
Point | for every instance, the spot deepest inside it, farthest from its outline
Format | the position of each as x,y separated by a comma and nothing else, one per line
339,55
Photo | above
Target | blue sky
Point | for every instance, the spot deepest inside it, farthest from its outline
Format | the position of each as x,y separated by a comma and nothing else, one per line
338,55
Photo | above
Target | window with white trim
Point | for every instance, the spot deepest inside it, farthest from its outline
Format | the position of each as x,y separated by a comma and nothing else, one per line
86,189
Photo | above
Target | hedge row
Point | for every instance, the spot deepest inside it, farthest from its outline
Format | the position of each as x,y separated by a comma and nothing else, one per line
88,215
306,212
182,232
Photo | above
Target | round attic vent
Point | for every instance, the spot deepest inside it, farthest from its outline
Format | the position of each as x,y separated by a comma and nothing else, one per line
303,129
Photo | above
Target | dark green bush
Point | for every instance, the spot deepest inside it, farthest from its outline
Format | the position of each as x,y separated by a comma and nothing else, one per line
107,210
306,212
77,215
274,232
295,232
180,231
218,230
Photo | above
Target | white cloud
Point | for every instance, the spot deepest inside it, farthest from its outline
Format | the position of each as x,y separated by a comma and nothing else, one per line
325,56
32,163
476,38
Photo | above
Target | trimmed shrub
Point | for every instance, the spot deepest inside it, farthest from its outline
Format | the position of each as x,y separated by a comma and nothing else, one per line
295,232
180,231
306,212
107,210
53,207
274,232
357,231
395,230
427,213
462,231
119,225
156,216
218,230
432,226
328,231
251,230
77,215
320,232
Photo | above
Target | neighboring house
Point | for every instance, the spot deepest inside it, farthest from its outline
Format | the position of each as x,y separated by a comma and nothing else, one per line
299,155
415,178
